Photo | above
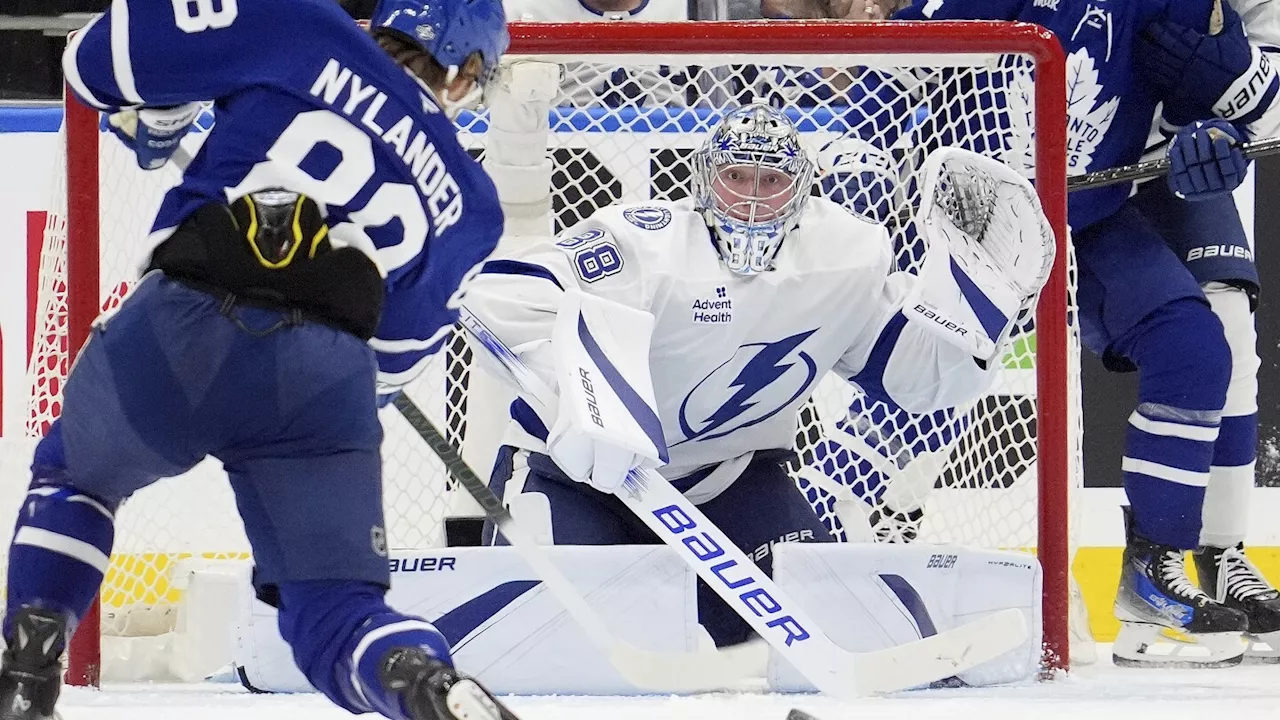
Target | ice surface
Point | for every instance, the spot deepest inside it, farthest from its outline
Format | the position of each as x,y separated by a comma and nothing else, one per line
1100,692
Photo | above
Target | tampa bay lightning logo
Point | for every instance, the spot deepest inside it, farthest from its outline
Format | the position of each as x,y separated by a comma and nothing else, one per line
761,379
648,218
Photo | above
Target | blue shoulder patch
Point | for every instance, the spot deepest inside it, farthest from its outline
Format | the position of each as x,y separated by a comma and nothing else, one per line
648,218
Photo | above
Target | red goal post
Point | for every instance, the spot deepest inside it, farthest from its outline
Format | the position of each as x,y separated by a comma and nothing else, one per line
88,282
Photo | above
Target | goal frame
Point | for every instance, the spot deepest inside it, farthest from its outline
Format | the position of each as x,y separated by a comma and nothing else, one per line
759,39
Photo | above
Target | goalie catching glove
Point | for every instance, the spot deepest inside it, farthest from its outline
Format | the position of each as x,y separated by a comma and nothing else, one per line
990,250
606,425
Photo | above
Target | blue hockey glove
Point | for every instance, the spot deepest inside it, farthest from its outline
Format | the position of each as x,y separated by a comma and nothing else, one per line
1206,161
1196,73
154,133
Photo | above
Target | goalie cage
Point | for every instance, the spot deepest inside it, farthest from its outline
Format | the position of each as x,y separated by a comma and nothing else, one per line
628,103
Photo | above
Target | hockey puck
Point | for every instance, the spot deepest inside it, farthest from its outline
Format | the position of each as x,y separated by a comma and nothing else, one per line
797,714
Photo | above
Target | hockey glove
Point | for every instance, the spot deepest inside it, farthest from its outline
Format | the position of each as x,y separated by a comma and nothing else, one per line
154,133
990,251
1196,73
1205,160
606,425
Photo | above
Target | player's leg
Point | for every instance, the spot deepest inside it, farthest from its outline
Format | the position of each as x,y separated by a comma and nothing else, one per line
124,424
306,471
1210,240
1141,310
758,509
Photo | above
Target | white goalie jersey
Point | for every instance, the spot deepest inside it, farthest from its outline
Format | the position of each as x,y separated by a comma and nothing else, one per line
732,359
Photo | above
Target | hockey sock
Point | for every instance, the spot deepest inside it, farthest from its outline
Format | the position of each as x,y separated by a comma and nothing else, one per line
61,543
1226,501
1184,366
341,630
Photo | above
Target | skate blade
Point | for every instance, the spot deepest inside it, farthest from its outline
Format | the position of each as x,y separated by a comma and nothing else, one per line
1263,649
1141,645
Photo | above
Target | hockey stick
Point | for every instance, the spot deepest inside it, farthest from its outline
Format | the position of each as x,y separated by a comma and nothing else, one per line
760,602
1156,168
662,672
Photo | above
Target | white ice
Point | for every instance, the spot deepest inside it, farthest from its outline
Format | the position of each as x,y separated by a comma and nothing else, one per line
1098,692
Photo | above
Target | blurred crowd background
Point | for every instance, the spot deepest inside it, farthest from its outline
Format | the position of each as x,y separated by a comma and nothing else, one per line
33,32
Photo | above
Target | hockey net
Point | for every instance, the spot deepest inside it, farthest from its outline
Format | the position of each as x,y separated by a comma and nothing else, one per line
628,104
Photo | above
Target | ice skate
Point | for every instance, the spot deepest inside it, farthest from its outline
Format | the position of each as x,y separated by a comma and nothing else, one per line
31,670
1165,620
433,690
1228,576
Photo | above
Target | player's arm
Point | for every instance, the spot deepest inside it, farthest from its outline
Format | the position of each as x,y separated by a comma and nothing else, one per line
1262,24
162,53
150,63
940,333
1204,65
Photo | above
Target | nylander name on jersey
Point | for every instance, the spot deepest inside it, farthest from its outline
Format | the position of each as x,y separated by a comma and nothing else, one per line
304,99
444,199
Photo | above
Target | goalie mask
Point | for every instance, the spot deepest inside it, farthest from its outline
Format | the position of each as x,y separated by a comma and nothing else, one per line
751,182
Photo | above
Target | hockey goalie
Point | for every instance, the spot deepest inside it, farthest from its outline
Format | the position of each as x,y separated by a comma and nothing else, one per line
712,322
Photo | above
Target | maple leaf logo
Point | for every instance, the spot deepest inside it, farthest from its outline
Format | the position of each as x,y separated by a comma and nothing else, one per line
1087,120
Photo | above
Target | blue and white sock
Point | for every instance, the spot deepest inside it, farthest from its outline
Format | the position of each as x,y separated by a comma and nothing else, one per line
60,550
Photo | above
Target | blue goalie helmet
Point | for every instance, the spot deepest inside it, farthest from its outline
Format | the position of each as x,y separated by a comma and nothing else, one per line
449,30
752,180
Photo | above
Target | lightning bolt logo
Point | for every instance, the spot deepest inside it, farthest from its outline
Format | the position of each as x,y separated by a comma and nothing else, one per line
768,363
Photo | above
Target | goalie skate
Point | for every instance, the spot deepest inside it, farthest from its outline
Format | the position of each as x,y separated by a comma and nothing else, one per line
1228,576
1165,620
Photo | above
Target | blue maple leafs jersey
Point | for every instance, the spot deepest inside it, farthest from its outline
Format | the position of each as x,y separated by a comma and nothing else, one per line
306,100
1109,109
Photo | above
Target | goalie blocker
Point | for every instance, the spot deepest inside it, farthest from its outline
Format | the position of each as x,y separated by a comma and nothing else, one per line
501,621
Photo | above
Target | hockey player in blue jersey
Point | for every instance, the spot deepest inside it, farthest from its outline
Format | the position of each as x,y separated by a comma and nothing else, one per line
1209,238
1140,308
330,205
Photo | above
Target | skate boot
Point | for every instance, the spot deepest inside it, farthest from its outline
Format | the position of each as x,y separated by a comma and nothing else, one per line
1228,576
432,690
1165,620
31,667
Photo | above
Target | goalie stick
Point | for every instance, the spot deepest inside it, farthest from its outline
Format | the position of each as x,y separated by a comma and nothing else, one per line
760,602
663,672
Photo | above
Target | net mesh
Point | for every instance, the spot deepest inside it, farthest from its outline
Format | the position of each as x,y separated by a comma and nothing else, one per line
623,133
